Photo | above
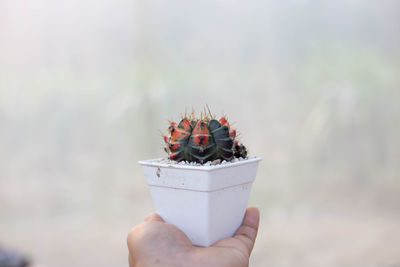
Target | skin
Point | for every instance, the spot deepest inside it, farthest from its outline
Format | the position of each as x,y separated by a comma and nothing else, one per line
157,243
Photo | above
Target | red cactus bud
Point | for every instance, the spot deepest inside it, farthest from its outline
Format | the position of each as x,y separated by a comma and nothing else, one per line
232,133
223,121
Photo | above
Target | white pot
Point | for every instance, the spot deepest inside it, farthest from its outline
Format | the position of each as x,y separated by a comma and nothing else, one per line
206,202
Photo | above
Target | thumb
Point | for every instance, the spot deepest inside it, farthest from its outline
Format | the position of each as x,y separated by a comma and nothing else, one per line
248,231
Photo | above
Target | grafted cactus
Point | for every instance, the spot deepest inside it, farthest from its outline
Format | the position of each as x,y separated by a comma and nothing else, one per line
202,140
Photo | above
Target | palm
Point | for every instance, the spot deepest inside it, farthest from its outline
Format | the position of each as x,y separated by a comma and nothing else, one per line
156,243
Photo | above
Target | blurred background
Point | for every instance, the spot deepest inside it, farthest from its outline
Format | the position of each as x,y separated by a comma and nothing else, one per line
312,86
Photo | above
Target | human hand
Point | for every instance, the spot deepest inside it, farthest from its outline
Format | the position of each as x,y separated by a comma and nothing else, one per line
157,243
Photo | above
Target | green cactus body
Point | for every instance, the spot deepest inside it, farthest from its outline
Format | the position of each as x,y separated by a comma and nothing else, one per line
202,140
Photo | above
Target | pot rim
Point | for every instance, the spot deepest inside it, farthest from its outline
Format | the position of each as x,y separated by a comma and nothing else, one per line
154,163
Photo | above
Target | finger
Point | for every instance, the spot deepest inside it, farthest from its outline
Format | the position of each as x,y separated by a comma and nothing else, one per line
153,217
248,231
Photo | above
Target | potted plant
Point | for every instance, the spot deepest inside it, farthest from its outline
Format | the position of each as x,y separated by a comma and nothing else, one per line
204,185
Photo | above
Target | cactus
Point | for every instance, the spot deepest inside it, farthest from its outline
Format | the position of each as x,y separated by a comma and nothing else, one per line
202,140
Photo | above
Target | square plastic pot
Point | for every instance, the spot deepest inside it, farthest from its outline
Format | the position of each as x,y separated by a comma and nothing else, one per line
206,202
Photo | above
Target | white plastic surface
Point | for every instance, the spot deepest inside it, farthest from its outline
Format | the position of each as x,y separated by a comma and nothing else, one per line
206,202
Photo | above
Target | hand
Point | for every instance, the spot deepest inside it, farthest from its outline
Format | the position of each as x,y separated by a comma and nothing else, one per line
157,243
